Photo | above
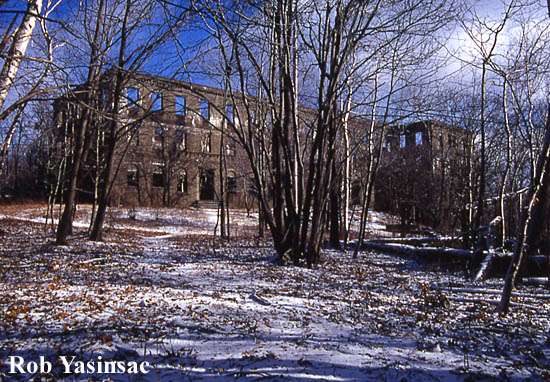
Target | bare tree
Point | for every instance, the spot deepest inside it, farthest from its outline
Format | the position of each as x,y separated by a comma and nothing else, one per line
25,72
136,17
485,37
18,47
106,35
532,216
298,144
81,145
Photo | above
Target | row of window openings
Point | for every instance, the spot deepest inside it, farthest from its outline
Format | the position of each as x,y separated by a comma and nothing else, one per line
132,95
157,104
419,140
180,106
402,143
158,181
180,141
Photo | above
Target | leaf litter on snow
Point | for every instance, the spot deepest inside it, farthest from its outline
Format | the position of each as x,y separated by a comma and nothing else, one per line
197,308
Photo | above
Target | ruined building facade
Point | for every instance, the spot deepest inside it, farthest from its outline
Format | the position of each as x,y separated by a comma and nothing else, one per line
426,174
170,144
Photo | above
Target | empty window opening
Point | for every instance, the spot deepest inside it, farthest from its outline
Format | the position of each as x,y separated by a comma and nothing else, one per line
158,136
180,105
229,113
231,146
158,176
206,184
206,143
132,95
182,182
132,133
156,101
133,176
418,138
232,184
205,109
452,140
181,140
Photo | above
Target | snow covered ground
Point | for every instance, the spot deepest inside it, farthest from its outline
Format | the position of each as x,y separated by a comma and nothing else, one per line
163,290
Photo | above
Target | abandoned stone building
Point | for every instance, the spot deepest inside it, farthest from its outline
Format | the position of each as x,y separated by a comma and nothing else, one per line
424,173
170,144
173,155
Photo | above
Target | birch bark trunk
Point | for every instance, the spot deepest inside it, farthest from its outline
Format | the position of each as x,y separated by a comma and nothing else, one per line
18,48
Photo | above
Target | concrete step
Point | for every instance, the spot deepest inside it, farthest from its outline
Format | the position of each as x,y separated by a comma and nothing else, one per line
206,204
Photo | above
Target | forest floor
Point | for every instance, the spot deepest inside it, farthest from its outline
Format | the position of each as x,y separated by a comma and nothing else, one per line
163,290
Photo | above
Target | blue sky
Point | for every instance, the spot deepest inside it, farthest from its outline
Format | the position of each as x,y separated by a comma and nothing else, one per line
166,63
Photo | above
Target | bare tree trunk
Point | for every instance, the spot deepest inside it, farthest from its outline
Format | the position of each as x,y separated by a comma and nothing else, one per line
373,162
481,188
4,149
346,181
335,209
532,216
469,213
106,184
16,157
96,182
222,208
55,191
508,163
66,221
18,48
12,61
295,197
105,180
487,56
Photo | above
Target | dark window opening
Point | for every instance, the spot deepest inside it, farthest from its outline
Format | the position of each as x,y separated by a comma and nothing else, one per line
182,182
452,141
206,143
133,134
206,184
133,177
158,177
158,136
232,184
231,146
181,140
